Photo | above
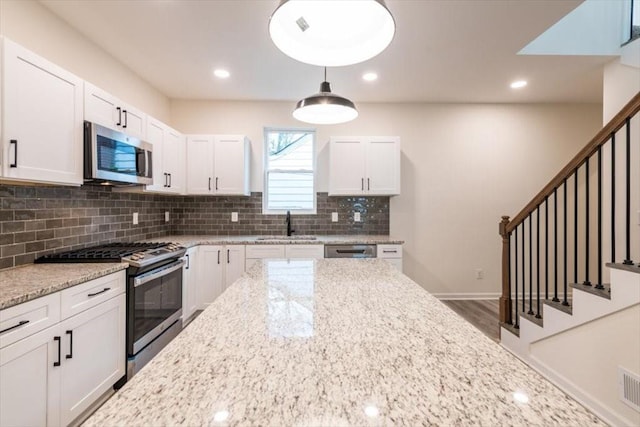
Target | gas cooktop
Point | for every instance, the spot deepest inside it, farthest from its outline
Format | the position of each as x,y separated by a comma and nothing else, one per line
136,254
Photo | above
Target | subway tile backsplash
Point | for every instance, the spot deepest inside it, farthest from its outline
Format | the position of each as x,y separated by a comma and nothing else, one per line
35,221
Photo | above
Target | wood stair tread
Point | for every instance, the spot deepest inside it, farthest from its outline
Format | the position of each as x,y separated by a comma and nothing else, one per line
559,306
634,268
604,293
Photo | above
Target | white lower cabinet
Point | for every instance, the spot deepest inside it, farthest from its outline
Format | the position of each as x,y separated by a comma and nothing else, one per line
52,376
218,267
392,254
304,251
254,253
189,281
93,356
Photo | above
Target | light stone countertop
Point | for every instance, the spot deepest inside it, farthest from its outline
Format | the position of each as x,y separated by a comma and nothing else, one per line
189,240
335,342
27,282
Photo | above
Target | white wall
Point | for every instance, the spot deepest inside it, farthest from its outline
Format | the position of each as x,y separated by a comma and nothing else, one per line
620,84
588,357
463,166
31,25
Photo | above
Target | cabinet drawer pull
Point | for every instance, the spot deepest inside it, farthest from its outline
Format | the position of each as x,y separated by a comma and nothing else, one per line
169,180
15,153
228,256
218,257
59,344
20,323
388,251
119,116
70,355
188,263
98,293
216,183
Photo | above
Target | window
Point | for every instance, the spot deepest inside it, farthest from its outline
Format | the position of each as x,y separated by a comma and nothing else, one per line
289,165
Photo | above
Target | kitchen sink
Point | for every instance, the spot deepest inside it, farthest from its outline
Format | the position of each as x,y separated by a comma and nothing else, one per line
301,237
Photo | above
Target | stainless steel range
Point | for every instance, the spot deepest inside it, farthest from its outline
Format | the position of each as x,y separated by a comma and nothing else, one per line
154,293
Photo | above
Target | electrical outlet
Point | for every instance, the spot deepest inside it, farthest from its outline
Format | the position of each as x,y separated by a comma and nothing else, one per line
334,216
135,218
479,274
356,217
166,216
234,216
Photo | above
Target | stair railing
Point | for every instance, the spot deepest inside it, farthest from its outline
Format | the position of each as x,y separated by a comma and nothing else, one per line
562,248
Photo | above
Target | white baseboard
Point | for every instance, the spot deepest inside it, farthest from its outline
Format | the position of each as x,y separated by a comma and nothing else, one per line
479,295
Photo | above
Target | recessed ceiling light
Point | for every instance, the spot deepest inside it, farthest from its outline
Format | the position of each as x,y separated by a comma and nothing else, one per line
369,77
221,73
521,397
371,411
518,84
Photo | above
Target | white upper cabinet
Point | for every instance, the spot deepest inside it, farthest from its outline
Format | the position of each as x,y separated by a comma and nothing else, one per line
364,166
42,134
105,109
168,158
218,164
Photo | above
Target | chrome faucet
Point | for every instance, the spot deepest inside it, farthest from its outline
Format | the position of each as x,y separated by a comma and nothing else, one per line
288,221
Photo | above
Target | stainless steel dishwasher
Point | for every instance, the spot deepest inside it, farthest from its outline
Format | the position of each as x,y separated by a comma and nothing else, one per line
350,251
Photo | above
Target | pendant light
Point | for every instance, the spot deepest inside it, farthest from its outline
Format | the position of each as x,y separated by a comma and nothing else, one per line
325,108
332,32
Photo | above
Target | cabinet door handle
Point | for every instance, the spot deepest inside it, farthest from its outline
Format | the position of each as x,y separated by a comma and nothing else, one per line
187,266
70,355
389,251
368,184
119,116
15,153
125,118
228,256
218,256
20,323
169,180
98,293
216,183
58,362
166,180
362,184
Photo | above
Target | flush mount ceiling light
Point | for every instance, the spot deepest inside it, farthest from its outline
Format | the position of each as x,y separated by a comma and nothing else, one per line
332,33
325,108
518,84
221,73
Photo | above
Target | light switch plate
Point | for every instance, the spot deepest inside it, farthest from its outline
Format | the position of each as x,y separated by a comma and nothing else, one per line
334,216
135,218
166,216
356,217
234,216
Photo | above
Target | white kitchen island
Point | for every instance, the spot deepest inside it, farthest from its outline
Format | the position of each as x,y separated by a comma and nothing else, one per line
335,342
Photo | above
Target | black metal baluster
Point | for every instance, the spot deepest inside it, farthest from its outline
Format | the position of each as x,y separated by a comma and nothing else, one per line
538,263
575,226
599,284
523,268
530,266
517,325
613,197
546,247
564,299
586,282
555,245
627,259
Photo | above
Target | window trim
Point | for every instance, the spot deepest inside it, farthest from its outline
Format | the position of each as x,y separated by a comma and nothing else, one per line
265,171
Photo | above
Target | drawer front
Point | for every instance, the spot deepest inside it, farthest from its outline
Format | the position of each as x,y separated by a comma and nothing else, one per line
265,251
25,319
304,251
86,295
389,251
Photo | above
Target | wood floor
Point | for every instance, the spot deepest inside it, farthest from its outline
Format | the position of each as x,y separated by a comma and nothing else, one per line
483,314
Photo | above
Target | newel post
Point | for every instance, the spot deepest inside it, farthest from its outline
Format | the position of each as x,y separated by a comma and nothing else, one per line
505,299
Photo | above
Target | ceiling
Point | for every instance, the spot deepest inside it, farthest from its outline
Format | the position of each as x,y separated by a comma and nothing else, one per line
443,51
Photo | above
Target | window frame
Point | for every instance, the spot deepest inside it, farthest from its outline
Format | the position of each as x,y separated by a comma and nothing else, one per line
265,169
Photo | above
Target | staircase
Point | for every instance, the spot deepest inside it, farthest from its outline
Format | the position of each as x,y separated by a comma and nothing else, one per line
570,303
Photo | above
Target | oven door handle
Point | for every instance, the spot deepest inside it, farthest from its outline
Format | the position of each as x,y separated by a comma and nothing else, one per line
154,274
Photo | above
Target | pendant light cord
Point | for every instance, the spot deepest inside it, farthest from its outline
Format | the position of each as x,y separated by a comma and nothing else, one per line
325,74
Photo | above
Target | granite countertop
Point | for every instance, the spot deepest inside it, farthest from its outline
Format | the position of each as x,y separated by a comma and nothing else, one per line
188,240
335,342
27,282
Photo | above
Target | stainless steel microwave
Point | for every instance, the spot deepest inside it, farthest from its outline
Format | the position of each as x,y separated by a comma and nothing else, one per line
114,157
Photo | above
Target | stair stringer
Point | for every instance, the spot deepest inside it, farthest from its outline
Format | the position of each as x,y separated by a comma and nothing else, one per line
587,307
